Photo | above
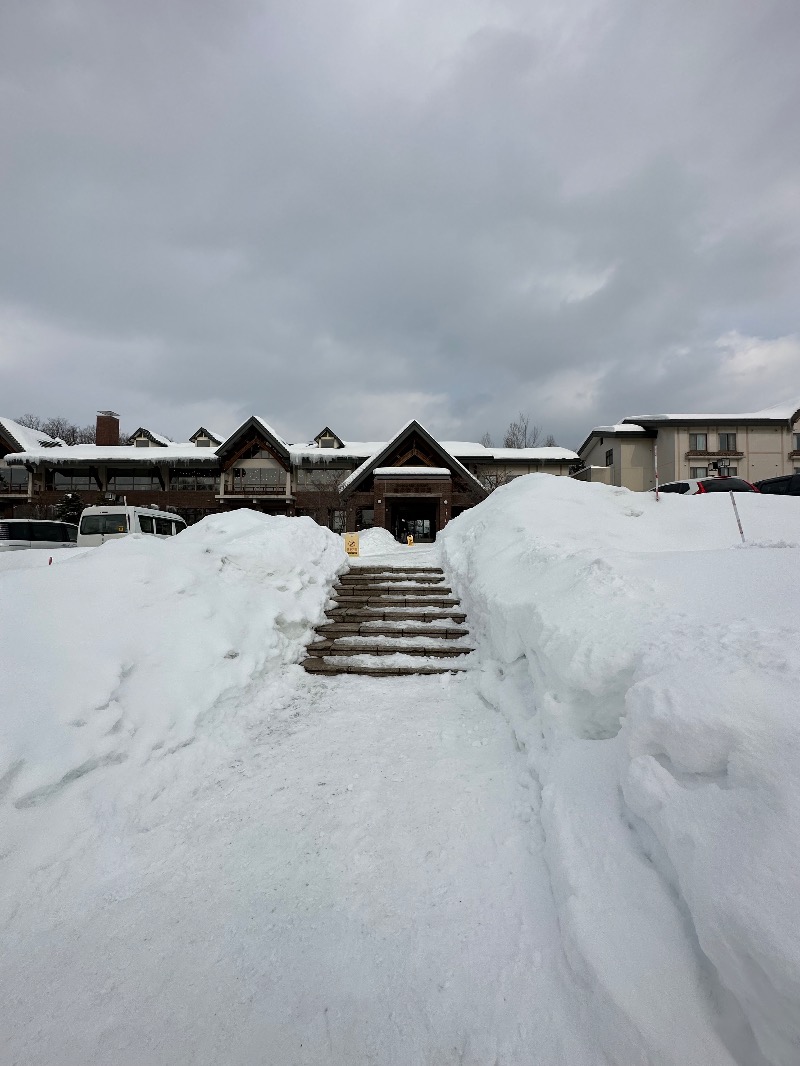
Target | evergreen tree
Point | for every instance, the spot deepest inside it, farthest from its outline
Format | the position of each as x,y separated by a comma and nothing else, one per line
69,507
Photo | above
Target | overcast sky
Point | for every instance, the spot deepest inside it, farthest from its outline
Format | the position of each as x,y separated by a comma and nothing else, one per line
353,213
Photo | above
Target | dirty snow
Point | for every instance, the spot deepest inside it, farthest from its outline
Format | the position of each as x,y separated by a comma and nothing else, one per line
579,851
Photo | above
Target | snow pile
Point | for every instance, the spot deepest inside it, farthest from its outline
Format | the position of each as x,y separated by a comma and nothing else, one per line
377,542
648,663
119,652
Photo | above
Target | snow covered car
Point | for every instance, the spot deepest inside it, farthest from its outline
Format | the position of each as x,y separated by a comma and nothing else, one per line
16,534
695,486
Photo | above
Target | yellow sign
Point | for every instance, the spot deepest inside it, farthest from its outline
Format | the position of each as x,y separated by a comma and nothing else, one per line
351,543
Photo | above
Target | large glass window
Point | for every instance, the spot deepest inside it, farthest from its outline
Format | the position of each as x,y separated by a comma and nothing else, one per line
67,482
254,478
727,442
134,483
698,442
13,479
193,481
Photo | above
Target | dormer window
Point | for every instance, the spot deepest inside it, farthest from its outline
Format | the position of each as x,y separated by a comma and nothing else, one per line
327,442
202,442
142,442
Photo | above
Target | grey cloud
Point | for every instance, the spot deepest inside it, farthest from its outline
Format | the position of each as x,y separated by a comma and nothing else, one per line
272,208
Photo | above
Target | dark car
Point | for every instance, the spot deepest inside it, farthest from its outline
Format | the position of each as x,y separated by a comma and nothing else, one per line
693,486
788,485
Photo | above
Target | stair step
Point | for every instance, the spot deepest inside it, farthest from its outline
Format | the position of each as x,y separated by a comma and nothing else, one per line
321,666
327,647
361,629
361,614
395,601
355,578
396,570
390,590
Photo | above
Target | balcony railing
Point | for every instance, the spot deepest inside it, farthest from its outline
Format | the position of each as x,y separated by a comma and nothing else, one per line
13,489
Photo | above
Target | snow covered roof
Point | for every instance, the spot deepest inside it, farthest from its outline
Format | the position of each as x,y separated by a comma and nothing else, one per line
216,438
27,439
261,426
412,471
532,454
156,438
121,453
779,412
349,450
412,425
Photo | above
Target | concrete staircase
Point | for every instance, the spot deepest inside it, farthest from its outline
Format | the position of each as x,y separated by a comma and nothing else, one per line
389,621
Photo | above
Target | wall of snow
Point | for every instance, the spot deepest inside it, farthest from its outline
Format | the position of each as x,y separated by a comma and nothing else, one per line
647,661
117,653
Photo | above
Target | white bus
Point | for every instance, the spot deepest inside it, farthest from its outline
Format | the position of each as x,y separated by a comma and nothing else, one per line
109,522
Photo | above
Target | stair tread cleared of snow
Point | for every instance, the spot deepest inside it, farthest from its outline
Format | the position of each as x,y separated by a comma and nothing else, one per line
388,622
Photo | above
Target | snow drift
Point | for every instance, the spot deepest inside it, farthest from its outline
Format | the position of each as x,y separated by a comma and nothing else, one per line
118,652
648,662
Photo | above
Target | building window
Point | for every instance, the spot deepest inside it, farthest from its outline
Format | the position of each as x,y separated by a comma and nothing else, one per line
73,482
365,518
727,442
134,483
326,442
13,479
698,442
727,471
256,477
142,442
337,520
698,471
610,457
796,442
202,442
192,481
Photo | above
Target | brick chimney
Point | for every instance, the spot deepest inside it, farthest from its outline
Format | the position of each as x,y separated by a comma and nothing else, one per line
107,429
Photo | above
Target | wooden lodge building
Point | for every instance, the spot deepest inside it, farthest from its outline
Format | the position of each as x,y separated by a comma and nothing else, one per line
411,484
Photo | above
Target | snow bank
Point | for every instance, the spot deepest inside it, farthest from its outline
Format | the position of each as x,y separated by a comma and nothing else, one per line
118,653
648,662
377,542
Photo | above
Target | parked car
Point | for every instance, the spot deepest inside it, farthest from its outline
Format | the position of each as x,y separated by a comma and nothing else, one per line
111,521
787,485
20,533
694,486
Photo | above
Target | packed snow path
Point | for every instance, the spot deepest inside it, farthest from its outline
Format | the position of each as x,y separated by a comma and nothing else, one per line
343,870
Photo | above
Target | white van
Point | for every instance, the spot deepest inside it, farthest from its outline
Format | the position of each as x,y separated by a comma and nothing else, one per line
99,524
20,533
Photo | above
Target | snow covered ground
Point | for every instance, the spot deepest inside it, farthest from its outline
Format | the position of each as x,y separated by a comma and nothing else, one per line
582,851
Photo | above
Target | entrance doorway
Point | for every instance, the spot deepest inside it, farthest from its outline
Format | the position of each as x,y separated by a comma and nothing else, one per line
413,518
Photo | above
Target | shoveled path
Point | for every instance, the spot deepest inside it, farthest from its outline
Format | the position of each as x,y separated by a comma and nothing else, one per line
350,871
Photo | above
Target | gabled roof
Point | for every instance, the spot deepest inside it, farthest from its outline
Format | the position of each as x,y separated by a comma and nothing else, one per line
215,438
24,439
379,459
260,428
156,438
328,432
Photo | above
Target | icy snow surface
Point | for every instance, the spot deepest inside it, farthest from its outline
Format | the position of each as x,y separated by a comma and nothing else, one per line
648,664
581,851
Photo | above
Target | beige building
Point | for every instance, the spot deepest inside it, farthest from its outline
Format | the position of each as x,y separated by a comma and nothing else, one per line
755,445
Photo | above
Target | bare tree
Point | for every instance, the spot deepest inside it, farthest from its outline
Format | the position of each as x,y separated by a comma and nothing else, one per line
318,495
486,440
59,427
521,433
